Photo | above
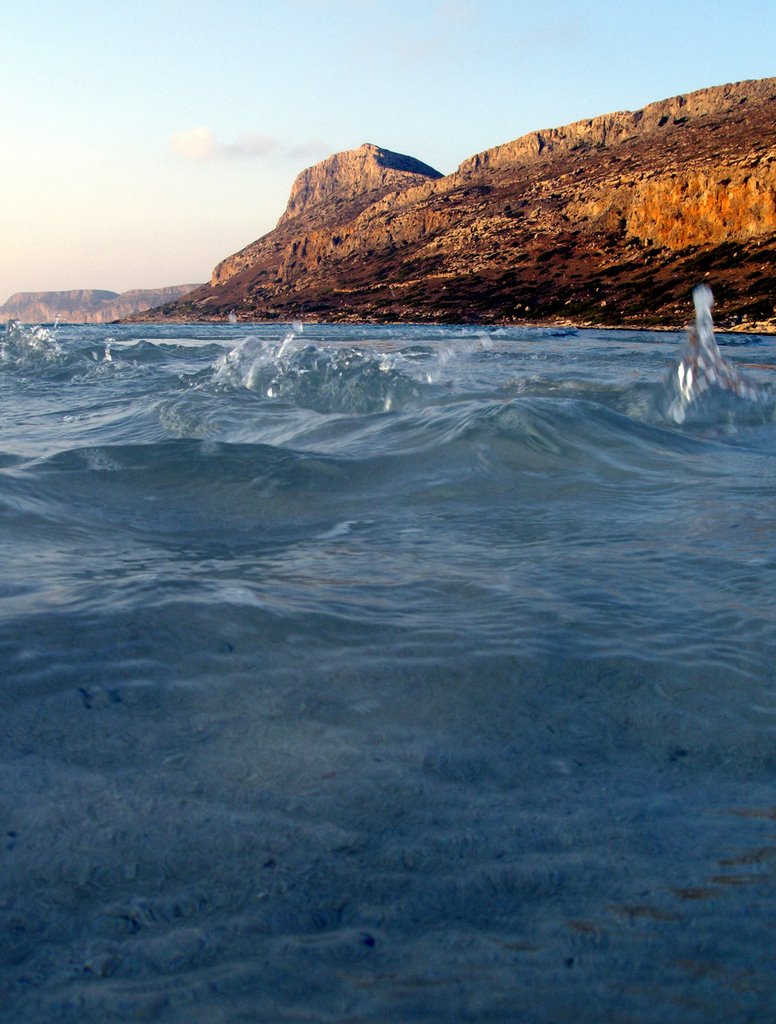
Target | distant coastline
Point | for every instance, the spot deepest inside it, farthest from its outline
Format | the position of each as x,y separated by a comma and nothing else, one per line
87,305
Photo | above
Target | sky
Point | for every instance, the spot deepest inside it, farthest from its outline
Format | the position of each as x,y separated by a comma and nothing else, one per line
143,142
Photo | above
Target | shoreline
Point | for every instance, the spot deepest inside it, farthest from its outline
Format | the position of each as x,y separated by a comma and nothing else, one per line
767,328
759,327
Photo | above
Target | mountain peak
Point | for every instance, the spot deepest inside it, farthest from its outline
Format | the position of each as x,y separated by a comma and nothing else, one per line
361,175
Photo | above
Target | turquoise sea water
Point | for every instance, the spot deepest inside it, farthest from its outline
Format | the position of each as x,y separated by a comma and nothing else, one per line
386,674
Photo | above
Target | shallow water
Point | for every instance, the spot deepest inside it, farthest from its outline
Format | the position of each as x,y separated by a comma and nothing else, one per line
375,674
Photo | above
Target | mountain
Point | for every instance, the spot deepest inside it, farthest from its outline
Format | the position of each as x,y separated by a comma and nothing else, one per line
608,221
331,194
86,305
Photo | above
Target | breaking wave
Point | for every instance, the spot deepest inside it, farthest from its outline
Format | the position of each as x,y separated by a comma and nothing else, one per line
325,379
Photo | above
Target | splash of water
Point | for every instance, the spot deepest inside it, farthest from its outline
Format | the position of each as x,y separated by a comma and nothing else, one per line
250,362
25,347
702,367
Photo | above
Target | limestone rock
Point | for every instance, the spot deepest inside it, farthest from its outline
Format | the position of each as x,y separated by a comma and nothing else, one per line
334,191
367,174
609,130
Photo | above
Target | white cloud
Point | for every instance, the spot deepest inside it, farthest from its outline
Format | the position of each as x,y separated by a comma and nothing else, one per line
249,146
194,144
200,144
310,150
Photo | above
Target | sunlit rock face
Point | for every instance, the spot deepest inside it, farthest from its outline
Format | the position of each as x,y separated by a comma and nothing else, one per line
366,173
610,220
333,192
705,206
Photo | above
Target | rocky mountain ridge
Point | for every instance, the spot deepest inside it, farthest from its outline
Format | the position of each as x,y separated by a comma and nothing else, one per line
87,305
606,221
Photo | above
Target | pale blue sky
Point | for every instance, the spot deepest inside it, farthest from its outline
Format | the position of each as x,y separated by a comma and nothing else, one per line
144,141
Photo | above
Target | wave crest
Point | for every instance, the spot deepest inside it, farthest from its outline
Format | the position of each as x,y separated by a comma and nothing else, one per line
325,379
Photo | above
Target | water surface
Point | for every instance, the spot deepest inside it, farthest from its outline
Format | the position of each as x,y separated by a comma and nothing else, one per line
376,674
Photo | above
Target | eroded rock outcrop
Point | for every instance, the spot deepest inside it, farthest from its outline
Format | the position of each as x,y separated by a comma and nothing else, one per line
707,206
366,173
331,193
608,130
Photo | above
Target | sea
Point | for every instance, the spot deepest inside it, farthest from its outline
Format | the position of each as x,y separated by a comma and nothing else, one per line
360,674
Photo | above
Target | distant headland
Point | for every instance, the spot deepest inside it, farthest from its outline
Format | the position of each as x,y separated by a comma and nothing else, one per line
87,305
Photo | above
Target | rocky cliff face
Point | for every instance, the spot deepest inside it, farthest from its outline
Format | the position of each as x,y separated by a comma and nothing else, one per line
363,175
707,206
610,220
333,192
87,305
610,130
